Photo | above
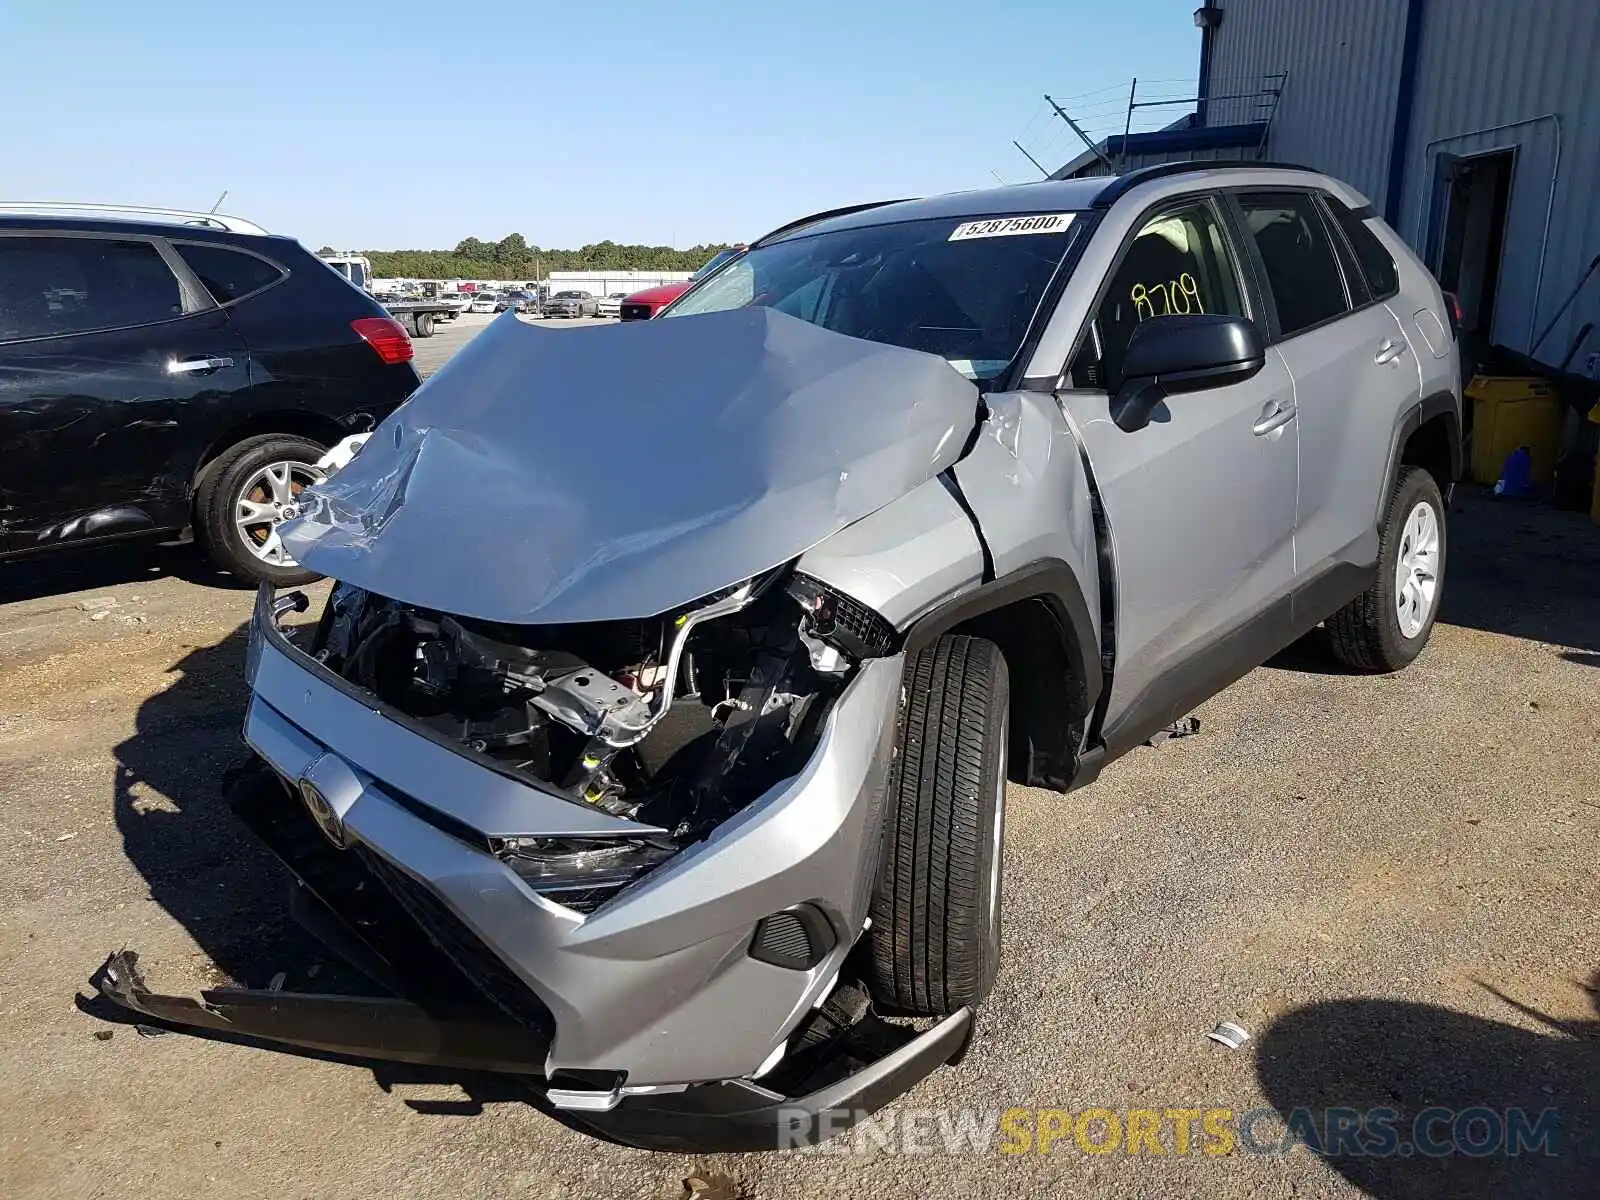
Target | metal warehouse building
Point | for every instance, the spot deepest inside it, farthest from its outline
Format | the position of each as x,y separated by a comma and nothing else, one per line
1472,125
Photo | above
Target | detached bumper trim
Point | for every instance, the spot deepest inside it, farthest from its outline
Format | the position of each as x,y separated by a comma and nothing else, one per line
730,1117
373,1027
739,1118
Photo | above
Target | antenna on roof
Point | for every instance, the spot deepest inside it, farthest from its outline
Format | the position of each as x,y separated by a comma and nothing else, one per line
220,199
1030,158
1093,147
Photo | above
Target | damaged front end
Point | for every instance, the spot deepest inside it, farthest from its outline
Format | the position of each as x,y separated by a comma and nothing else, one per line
649,843
674,722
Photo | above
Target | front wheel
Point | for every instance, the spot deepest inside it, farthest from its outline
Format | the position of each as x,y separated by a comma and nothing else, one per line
1386,627
243,499
935,935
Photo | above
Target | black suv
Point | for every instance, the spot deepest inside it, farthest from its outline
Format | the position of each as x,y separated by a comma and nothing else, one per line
162,371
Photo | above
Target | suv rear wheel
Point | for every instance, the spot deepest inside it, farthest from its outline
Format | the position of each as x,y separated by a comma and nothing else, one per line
245,495
935,936
1387,626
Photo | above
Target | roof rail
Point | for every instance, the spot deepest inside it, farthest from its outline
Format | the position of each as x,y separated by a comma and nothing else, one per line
1120,185
127,212
846,211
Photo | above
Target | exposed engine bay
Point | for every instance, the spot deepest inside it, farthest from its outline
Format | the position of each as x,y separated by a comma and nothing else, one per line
675,721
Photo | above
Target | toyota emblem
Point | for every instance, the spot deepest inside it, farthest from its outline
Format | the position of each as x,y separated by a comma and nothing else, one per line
322,813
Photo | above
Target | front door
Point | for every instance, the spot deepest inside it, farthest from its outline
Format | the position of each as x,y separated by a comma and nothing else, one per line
111,382
1200,502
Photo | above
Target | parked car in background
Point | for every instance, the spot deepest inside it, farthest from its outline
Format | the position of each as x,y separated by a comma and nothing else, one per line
641,306
519,301
571,304
484,302
611,306
460,301
162,371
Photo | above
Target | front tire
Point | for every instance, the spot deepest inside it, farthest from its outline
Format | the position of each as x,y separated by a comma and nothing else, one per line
1386,627
935,936
245,495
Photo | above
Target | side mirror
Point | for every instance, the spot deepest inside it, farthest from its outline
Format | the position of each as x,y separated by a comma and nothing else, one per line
1169,355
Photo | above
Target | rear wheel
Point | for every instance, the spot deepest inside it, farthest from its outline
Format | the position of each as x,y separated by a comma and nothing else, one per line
1386,627
424,323
935,936
243,499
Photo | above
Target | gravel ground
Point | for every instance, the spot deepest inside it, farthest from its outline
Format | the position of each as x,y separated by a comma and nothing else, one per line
1390,882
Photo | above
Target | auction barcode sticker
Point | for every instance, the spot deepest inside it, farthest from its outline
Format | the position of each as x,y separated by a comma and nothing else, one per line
1012,226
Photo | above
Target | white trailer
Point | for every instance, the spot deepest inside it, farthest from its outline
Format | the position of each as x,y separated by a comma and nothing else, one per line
600,284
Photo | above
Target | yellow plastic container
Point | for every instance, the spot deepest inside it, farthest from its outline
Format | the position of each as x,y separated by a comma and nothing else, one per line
1507,412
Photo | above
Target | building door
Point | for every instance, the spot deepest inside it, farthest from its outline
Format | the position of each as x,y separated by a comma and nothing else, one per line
1472,208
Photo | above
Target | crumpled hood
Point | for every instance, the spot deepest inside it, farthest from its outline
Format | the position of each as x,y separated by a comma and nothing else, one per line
620,471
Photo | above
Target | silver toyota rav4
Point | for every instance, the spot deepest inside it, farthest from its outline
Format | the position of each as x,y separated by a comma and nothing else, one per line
652,743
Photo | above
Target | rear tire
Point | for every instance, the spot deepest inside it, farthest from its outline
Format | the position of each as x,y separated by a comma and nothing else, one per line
227,482
424,323
1372,632
935,935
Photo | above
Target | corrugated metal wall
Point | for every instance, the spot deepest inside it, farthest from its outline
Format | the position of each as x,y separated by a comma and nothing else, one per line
1135,161
1532,66
1343,60
1486,63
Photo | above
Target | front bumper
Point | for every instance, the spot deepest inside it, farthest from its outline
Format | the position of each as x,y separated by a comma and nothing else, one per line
658,985
730,1117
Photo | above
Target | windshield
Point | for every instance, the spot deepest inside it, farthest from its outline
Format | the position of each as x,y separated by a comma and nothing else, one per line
965,290
715,262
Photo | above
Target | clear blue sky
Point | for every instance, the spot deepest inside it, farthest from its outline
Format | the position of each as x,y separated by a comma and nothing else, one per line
403,125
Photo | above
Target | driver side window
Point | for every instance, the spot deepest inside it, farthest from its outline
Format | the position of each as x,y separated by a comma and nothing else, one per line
1178,265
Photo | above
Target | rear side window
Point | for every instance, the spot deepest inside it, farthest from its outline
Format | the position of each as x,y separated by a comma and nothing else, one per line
228,274
1376,261
51,286
1298,257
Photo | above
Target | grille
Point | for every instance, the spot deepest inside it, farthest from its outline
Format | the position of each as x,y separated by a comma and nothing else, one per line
635,312
345,883
460,945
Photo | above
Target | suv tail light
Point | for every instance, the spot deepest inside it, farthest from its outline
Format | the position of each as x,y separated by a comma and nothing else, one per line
1452,304
386,336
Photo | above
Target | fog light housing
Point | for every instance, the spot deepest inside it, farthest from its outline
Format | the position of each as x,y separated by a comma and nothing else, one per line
796,939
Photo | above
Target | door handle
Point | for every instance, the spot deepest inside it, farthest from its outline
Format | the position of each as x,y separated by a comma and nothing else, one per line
1274,416
191,366
1389,351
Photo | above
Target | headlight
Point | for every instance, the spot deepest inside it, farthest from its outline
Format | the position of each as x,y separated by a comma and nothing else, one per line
842,621
580,873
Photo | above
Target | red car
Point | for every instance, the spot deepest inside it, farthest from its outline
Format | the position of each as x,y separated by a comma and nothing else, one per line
641,306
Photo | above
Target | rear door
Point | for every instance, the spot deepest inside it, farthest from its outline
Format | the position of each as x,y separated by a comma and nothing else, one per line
1201,502
113,366
1353,370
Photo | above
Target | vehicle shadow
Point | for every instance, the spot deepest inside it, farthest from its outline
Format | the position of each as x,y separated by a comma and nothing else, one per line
85,569
1517,569
1413,1059
200,864
231,895
1522,570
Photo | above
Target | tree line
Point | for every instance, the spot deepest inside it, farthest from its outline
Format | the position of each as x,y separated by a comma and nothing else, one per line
512,258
